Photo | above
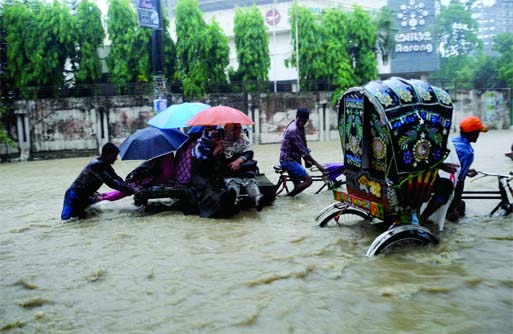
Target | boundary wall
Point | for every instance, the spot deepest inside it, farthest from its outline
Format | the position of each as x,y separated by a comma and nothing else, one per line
68,127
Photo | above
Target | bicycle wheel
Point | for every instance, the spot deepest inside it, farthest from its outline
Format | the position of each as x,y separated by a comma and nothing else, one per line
399,237
345,217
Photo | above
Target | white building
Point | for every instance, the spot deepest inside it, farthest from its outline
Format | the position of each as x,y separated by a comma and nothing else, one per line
277,18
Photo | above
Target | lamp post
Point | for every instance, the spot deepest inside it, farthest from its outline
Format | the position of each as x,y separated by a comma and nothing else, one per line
297,45
150,16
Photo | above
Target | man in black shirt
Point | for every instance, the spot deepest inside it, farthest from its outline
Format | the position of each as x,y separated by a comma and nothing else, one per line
98,171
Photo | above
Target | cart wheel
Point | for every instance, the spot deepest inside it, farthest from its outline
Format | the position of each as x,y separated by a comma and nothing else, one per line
401,236
345,217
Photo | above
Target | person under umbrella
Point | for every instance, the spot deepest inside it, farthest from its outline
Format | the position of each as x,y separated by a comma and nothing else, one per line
213,199
239,167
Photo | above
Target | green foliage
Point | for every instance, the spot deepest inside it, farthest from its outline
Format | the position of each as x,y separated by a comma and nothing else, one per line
337,70
40,38
219,54
169,52
503,44
312,60
130,50
191,49
362,39
338,48
4,136
384,33
457,30
477,70
252,44
90,37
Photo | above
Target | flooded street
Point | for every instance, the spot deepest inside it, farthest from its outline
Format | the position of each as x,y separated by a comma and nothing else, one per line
125,270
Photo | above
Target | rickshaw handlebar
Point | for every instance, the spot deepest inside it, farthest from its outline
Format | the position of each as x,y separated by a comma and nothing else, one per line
501,176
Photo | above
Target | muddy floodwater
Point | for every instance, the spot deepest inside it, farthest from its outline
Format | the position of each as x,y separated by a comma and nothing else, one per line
125,270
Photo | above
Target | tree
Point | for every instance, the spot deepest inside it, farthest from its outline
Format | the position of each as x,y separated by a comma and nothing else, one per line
129,56
191,49
19,38
362,39
311,62
337,65
4,135
56,35
219,54
252,44
459,46
90,37
457,30
40,37
384,34
503,44
169,52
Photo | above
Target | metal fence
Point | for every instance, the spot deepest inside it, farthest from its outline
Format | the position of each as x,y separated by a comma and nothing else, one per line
146,88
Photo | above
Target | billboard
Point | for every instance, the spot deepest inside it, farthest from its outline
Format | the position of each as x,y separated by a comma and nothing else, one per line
415,44
148,13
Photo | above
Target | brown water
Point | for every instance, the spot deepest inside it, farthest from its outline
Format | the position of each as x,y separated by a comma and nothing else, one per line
128,271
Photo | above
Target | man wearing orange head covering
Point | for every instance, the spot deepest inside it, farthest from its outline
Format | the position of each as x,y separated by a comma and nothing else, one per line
470,128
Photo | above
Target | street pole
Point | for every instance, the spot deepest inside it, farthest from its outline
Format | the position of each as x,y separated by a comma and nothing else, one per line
157,62
274,46
297,45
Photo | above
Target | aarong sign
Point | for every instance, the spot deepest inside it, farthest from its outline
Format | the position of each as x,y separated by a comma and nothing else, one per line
414,42
415,49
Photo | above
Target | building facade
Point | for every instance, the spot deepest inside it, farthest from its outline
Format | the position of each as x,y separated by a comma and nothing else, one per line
277,15
493,19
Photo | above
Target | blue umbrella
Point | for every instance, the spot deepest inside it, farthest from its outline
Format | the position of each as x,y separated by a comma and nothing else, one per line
150,142
177,115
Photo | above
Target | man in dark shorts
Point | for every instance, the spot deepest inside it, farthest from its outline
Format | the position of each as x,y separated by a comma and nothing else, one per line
293,148
82,192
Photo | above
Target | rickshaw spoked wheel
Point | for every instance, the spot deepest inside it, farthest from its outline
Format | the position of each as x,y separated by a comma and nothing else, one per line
401,236
345,216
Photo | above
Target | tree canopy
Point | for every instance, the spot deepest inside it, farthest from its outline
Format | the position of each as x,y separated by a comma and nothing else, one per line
191,49
362,39
169,52
338,47
503,44
40,37
252,44
130,50
457,30
219,54
90,37
307,52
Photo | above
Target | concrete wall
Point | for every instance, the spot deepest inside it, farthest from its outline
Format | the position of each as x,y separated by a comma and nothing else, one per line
54,128
492,106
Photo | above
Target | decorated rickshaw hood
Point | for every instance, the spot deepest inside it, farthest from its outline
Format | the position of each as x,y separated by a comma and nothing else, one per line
405,123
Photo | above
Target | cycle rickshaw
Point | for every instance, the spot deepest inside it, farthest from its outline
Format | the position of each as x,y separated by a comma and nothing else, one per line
394,137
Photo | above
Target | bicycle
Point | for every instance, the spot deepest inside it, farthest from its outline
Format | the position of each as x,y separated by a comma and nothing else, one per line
505,205
332,179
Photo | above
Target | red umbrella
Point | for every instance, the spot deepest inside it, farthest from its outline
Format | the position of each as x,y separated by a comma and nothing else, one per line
220,115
